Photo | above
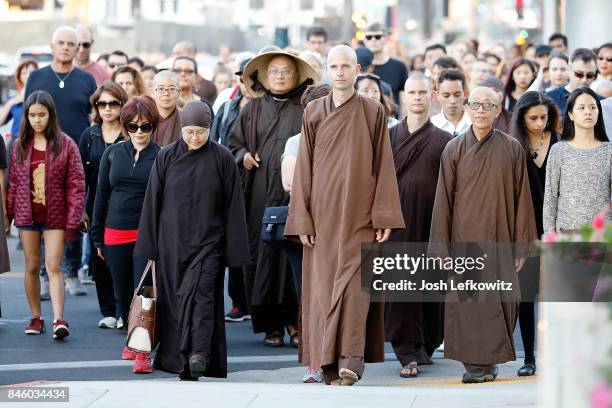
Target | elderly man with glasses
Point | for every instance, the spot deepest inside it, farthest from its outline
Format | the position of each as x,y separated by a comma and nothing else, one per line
165,91
583,71
483,197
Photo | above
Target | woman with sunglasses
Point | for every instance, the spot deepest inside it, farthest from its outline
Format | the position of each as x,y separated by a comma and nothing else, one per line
122,183
106,130
604,62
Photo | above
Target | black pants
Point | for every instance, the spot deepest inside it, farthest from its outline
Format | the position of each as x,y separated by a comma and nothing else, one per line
104,283
295,259
235,288
126,270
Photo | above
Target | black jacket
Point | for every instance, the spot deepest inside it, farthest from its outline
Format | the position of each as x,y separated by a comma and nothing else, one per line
91,147
122,184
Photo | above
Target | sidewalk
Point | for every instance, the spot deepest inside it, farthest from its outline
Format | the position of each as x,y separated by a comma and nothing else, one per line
438,386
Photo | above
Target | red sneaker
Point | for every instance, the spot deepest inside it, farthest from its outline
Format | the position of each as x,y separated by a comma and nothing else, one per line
36,326
142,364
60,329
128,354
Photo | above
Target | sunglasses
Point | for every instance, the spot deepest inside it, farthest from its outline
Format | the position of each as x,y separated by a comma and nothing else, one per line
183,71
115,65
589,75
108,104
85,45
376,36
609,59
145,127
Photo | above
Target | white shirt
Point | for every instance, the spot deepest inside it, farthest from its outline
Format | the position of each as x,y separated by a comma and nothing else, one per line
441,122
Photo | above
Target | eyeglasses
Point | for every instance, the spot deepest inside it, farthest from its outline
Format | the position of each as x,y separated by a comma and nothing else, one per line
280,72
609,59
179,71
589,75
145,127
108,104
170,90
195,132
375,36
85,45
488,106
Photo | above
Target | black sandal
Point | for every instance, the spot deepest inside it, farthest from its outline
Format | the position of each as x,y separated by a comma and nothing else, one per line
527,370
274,339
294,339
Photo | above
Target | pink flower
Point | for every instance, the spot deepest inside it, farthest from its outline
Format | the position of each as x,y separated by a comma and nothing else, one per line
550,237
601,397
599,221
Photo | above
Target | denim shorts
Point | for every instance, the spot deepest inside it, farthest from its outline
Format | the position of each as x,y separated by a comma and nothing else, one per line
32,227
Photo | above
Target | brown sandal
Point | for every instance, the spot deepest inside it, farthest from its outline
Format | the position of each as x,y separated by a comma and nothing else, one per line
274,339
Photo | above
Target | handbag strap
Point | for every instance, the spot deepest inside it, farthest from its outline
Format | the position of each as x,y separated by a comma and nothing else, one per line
150,266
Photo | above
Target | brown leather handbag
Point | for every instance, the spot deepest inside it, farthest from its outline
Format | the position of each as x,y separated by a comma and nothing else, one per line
142,311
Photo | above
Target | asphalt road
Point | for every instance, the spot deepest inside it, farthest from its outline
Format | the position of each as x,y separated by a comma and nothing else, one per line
90,353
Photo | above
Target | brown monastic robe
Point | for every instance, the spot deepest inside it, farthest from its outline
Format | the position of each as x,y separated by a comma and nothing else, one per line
483,196
270,292
415,329
343,189
503,121
168,130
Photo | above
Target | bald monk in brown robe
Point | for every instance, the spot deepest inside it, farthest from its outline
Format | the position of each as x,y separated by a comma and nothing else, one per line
415,329
483,196
165,90
344,193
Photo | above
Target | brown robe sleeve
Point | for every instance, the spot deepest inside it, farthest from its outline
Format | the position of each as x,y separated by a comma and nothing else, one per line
386,209
237,135
441,220
299,221
525,230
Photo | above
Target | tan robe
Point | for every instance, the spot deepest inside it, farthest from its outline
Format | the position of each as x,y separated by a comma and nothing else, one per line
169,129
483,196
343,189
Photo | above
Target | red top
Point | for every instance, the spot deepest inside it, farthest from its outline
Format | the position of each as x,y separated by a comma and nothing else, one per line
37,186
118,237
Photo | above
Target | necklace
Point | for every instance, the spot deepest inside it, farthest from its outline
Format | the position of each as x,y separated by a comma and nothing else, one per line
534,152
61,81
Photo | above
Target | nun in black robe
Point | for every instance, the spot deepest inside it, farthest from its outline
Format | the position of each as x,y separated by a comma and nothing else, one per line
193,224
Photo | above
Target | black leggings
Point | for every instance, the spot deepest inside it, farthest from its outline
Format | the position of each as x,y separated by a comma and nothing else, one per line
527,324
104,282
126,270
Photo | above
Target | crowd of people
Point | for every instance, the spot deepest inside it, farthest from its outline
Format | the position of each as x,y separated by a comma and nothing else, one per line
353,142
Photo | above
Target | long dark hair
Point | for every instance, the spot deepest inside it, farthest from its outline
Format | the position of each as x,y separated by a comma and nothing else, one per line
510,85
53,134
527,101
568,124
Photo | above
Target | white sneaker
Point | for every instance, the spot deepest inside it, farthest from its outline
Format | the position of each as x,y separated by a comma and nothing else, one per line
44,289
108,323
120,323
84,277
75,287
441,347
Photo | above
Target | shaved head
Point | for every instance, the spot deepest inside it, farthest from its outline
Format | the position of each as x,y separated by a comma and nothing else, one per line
344,51
418,76
84,32
482,92
342,67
